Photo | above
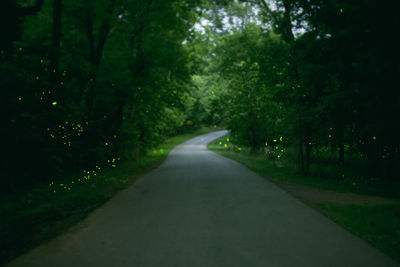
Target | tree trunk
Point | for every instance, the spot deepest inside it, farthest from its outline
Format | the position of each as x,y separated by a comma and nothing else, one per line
308,146
288,36
96,51
341,153
307,170
300,155
341,143
287,23
56,38
89,29
372,160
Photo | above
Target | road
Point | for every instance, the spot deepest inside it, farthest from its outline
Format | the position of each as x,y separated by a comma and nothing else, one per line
201,209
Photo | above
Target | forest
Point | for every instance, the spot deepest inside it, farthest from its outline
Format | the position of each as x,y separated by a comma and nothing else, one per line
87,85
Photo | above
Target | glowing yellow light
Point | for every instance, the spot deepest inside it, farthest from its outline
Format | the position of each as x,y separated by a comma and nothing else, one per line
54,103
226,145
280,138
266,143
227,140
20,98
220,143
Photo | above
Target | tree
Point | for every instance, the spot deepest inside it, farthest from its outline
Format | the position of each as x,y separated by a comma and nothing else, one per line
11,16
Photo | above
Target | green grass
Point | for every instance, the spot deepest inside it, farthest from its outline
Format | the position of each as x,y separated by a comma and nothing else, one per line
378,224
35,215
285,170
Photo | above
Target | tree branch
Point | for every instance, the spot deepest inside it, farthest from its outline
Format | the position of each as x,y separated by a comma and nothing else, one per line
269,10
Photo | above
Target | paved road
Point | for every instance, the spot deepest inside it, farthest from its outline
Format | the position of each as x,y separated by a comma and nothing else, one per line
200,209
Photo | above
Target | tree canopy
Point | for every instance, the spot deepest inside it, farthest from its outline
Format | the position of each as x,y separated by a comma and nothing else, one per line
88,83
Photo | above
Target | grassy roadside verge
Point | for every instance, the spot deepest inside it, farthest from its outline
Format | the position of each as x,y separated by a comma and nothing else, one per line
377,223
36,215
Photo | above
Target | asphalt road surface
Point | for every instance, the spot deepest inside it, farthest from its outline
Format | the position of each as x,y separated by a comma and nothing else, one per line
200,209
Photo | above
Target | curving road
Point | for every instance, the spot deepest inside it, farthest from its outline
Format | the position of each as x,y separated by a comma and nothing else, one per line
200,209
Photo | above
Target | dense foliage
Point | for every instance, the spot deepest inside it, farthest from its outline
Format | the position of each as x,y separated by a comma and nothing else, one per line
320,74
86,83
